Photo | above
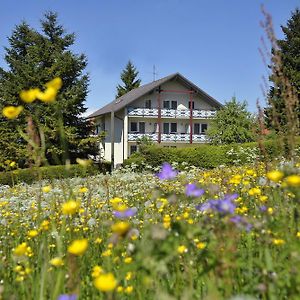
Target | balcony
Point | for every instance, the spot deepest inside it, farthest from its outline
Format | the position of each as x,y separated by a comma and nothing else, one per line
171,113
172,137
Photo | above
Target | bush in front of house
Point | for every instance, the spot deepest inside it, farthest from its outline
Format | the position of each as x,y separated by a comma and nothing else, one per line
205,156
51,172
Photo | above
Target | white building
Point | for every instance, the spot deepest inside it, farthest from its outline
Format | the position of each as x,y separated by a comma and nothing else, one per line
172,111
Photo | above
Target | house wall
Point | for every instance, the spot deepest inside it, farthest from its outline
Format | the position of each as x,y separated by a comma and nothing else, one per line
119,134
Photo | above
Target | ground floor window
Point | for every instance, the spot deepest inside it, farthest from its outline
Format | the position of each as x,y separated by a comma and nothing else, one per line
133,148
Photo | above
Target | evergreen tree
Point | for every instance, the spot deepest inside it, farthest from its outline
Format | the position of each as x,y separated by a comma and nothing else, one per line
289,51
129,78
232,124
34,58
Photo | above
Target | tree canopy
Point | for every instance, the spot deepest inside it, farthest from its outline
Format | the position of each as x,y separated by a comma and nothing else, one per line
129,79
232,124
289,53
34,58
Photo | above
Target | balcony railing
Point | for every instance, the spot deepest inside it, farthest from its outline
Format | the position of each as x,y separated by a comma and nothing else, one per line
172,137
170,113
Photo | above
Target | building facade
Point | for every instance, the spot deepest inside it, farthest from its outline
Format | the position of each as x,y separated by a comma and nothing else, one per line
171,111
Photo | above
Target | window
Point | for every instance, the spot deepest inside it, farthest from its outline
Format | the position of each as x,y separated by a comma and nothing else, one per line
173,127
203,128
133,127
197,128
148,104
166,128
133,148
141,127
193,105
174,104
166,104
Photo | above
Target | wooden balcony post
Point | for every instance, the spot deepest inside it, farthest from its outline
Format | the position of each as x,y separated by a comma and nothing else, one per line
159,115
191,117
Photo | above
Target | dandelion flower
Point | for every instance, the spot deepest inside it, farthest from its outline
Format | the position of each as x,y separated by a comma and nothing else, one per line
105,282
70,208
78,247
293,180
20,249
30,95
275,175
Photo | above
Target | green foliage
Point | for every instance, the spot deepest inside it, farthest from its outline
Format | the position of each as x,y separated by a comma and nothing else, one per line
289,53
205,156
51,172
33,58
129,79
232,124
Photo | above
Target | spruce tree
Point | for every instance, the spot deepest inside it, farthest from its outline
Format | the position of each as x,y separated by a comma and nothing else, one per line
34,58
289,51
129,79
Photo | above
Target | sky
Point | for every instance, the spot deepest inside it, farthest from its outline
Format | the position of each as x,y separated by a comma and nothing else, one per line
212,43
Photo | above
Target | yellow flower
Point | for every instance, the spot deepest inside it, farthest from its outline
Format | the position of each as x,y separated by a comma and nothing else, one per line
298,234
30,95
128,276
83,190
254,191
275,175
20,249
55,83
12,112
106,253
56,262
45,225
70,207
46,189
120,289
182,249
120,228
105,282
263,198
98,241
32,233
128,260
78,247
97,270
201,245
48,95
278,242
293,180
129,289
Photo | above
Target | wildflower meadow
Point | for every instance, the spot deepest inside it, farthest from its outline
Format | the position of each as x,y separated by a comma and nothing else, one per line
193,234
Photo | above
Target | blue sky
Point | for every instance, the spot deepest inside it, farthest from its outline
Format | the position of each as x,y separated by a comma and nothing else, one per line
213,43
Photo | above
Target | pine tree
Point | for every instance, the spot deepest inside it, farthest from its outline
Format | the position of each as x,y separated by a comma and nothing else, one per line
129,78
34,58
289,51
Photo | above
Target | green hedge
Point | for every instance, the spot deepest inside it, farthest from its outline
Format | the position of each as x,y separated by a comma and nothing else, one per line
51,172
205,156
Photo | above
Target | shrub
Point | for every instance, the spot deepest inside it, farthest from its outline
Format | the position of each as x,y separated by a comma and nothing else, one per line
206,156
50,172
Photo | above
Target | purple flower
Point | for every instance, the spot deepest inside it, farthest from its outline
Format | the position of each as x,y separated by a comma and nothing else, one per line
191,190
223,206
67,297
263,208
129,212
241,222
167,172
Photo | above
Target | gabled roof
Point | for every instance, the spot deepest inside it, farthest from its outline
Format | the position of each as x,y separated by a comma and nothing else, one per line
134,94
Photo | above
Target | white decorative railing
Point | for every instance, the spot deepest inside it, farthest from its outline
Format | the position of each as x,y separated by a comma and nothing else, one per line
170,113
173,137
